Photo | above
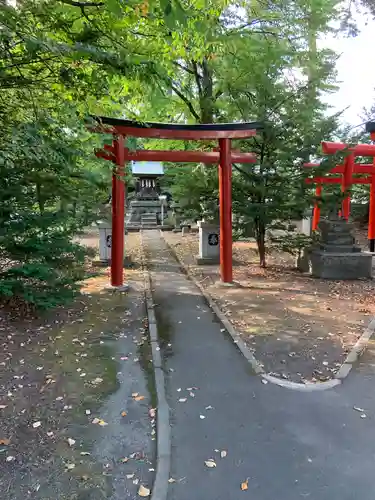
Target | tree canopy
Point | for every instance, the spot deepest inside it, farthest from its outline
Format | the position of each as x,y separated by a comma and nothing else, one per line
166,60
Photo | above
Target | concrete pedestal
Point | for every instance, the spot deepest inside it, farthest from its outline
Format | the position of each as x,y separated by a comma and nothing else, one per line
337,257
341,266
209,243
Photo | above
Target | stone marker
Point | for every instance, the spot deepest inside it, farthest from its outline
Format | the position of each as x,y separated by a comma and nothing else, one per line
336,256
105,240
209,243
105,243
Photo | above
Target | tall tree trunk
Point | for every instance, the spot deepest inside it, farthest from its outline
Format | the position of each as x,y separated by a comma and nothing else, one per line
261,242
206,97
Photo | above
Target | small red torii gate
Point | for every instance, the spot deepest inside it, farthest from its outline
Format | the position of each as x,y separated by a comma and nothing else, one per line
225,156
347,179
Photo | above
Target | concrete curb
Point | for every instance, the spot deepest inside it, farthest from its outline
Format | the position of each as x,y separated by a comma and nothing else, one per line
163,431
342,373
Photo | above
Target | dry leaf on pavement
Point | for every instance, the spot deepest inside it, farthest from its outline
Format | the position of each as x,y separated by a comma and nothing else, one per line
71,441
123,413
99,421
143,491
245,485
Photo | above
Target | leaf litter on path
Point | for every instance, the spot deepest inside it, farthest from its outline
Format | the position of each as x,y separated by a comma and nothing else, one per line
245,485
99,421
143,491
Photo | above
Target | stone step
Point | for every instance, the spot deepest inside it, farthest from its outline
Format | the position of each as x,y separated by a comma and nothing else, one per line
149,219
339,248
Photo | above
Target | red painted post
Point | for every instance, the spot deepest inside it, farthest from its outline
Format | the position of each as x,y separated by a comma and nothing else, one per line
225,200
371,217
118,213
316,214
346,184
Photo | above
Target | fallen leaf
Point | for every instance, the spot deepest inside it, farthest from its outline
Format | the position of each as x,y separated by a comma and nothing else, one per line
223,454
210,463
135,394
138,397
182,400
37,424
99,421
143,491
4,441
71,441
123,413
245,485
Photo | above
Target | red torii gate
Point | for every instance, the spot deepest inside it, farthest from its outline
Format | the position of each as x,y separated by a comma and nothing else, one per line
347,180
119,154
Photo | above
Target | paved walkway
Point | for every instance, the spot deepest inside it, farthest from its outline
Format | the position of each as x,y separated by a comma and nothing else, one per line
289,445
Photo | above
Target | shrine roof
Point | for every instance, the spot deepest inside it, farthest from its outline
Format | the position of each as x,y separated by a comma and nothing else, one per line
147,168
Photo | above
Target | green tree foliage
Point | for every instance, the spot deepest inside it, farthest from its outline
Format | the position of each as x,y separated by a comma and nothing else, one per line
261,62
49,185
